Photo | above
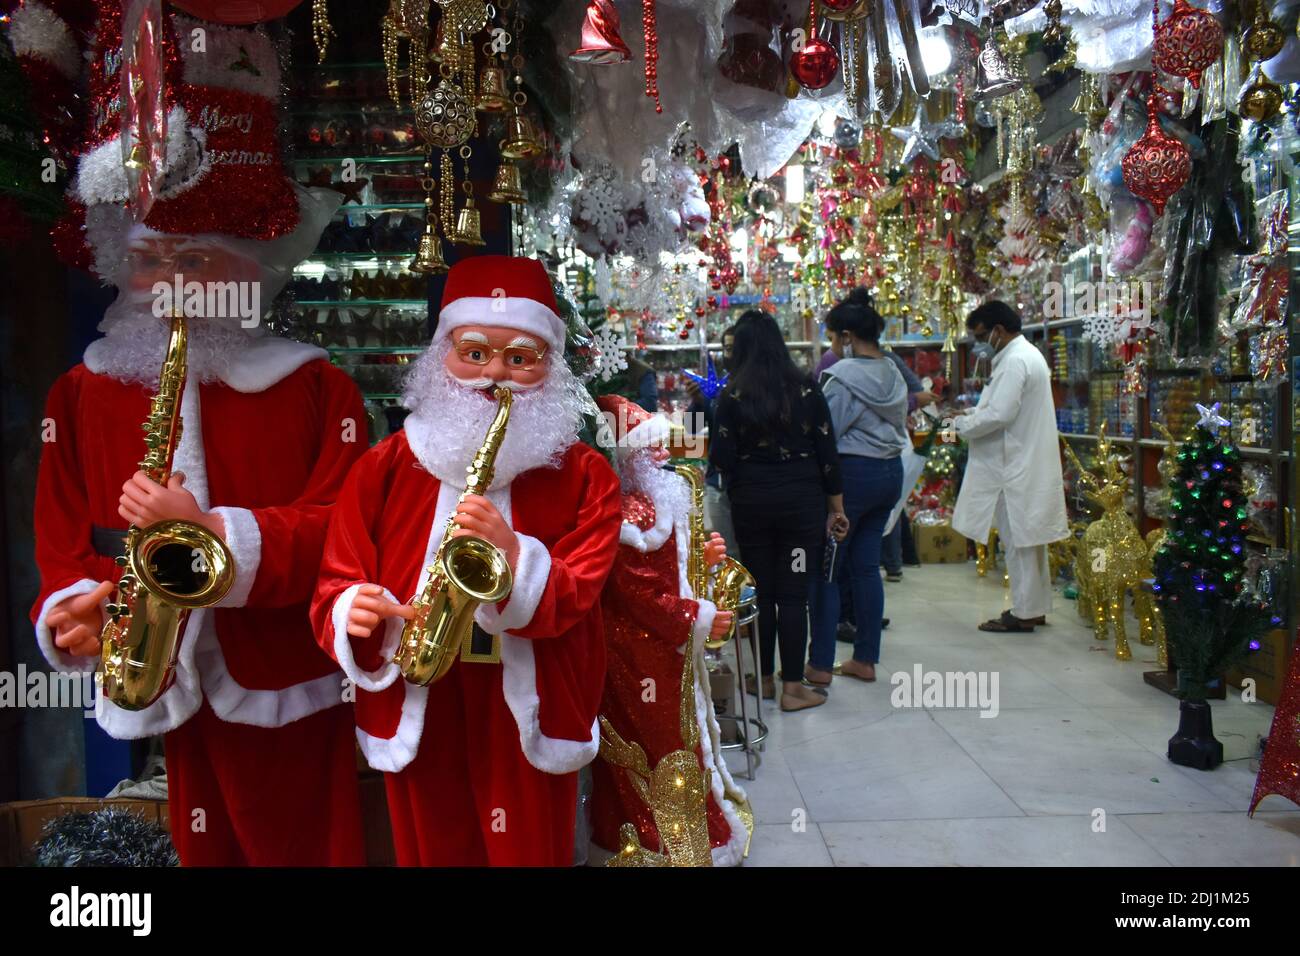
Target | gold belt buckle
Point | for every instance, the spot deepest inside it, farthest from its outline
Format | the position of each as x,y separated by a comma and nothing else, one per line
480,647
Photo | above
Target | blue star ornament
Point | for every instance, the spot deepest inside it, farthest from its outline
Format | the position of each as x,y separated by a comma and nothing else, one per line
1210,417
921,137
710,385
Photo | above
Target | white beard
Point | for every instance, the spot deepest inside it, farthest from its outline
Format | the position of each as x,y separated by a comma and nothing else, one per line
451,420
135,343
669,492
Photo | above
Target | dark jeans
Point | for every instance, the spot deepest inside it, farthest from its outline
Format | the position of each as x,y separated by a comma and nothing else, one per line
871,486
780,540
899,548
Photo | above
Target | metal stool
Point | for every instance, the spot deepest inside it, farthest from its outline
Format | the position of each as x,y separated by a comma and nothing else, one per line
747,618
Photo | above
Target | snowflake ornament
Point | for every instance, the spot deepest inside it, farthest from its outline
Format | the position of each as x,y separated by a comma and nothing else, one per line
1105,329
611,357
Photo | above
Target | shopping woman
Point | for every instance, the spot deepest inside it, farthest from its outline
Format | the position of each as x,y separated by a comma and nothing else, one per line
868,403
772,443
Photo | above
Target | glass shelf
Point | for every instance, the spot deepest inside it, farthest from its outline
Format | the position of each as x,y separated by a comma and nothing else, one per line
325,258
376,160
379,207
376,349
357,303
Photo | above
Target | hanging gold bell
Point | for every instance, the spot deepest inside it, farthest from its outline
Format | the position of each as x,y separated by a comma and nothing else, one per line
507,186
492,96
994,75
521,141
468,231
428,259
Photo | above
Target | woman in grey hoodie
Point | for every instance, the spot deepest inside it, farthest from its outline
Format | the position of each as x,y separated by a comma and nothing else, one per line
868,402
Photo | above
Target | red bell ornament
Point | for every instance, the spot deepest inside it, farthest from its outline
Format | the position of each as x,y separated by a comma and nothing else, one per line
815,65
1157,165
601,43
1187,42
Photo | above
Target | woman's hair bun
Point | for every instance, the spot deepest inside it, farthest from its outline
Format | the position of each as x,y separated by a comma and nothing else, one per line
861,296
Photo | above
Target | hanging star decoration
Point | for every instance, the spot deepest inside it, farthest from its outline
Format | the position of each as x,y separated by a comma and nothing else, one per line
710,385
921,136
1210,419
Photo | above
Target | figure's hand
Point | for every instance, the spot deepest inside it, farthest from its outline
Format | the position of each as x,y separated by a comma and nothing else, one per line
926,398
78,621
715,550
693,390
721,624
144,501
837,525
370,607
476,515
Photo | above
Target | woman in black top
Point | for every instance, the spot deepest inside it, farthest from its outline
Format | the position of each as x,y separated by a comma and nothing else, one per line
774,445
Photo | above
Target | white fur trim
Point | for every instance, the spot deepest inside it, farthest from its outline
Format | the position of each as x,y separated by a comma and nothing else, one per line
59,659
391,754
526,315
532,571
266,361
703,624
724,788
260,708
389,672
37,31
101,175
226,45
655,430
519,684
244,538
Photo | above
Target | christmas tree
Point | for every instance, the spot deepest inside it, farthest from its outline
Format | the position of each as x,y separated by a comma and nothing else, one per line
1199,570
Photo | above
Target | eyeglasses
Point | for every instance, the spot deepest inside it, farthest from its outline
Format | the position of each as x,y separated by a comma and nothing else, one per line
181,261
519,358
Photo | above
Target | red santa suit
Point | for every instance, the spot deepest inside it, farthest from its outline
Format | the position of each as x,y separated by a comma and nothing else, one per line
261,764
482,765
651,619
261,767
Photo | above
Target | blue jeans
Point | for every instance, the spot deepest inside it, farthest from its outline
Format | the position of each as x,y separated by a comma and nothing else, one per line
871,486
898,548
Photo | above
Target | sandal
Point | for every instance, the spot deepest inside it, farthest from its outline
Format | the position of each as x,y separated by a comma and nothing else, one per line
1008,623
817,681
769,686
841,672
791,702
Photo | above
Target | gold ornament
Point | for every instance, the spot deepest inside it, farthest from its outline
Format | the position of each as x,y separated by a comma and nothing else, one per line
1112,558
1261,98
1263,40
321,31
444,116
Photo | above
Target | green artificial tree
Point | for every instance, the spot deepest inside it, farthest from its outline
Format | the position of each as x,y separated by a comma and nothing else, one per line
1210,619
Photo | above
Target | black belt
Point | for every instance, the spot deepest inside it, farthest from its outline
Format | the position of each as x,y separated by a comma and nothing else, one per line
108,542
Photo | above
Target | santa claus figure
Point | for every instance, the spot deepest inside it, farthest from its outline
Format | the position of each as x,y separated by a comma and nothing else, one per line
481,765
652,623
261,766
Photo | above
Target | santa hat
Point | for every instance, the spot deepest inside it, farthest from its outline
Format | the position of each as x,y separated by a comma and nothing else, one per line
634,429
222,172
505,292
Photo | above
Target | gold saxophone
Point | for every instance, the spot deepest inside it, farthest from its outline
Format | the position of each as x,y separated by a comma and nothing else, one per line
731,577
169,568
467,571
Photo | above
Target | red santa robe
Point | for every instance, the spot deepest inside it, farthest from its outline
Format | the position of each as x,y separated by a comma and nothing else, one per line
260,761
651,620
494,781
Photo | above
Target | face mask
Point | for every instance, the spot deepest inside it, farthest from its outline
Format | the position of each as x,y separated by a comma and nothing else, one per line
983,350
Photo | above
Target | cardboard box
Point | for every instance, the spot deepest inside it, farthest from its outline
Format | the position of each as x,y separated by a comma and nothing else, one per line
1266,666
939,544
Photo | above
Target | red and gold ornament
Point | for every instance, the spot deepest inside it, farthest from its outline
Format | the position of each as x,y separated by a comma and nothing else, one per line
1157,165
1187,42
650,26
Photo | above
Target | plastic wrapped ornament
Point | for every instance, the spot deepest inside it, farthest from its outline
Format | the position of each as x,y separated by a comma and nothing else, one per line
1187,42
1261,98
1157,165
1263,40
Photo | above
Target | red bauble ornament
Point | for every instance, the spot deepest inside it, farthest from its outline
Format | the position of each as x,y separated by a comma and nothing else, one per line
1187,42
815,65
239,12
1157,165
839,6
601,43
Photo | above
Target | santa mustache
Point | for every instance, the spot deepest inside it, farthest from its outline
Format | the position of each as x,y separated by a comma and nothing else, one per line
483,382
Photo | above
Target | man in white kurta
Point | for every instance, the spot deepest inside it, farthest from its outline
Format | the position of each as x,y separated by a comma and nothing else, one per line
1013,473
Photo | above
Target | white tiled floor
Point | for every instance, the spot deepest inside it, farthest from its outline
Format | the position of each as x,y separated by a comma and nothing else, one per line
1078,745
